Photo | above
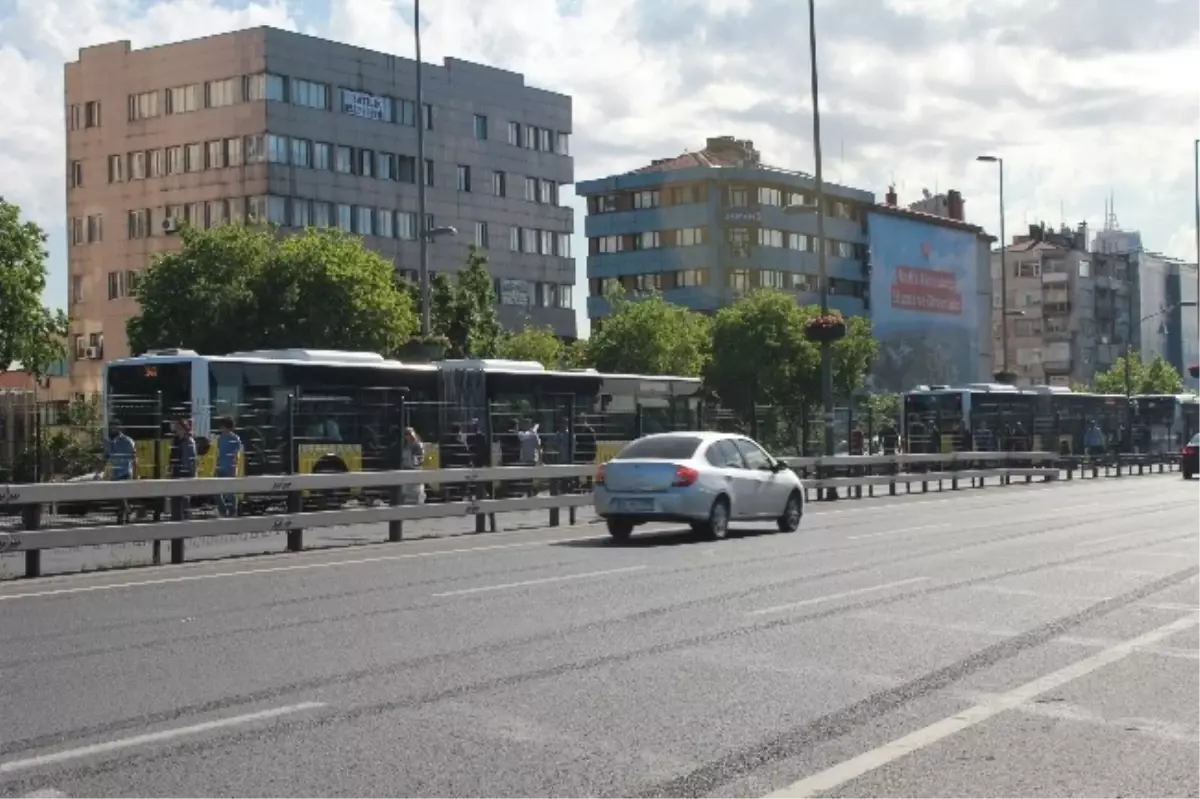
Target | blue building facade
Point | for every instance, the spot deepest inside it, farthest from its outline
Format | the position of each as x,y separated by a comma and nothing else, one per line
705,229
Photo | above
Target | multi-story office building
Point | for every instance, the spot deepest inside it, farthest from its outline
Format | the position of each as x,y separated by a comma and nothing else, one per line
706,227
268,125
1167,311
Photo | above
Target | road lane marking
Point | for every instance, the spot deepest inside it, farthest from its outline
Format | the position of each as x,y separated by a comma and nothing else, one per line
828,597
153,737
852,769
46,793
901,530
542,581
189,578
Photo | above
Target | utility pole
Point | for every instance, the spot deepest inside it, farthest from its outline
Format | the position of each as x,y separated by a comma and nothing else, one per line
422,178
822,264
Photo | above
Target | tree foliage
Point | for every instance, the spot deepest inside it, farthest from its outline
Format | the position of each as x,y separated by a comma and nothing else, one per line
233,287
30,333
532,344
761,356
465,312
648,335
1157,377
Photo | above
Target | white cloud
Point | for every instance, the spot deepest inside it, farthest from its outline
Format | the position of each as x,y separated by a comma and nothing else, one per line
1078,104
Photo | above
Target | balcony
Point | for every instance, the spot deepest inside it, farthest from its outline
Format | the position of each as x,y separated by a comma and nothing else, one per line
1056,309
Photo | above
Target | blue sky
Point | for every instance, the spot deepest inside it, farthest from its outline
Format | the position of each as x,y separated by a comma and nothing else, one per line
1081,100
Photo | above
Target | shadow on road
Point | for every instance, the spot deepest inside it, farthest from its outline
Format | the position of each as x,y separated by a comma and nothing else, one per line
660,538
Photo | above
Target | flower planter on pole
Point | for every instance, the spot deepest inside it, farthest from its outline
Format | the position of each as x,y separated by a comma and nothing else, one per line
825,329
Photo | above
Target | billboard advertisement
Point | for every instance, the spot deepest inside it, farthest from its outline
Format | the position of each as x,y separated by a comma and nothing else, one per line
925,304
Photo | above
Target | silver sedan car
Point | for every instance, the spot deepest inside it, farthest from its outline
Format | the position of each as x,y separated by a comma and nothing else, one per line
703,479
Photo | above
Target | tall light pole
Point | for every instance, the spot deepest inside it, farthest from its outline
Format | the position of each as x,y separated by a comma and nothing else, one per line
422,178
1196,157
1003,268
822,266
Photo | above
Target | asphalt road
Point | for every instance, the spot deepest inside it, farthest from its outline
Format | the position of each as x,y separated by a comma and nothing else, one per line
1032,641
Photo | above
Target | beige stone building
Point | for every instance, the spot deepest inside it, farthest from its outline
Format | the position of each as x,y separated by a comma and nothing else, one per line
264,124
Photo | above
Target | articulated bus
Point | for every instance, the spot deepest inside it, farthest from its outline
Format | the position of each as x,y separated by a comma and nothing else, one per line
329,411
1049,417
1164,422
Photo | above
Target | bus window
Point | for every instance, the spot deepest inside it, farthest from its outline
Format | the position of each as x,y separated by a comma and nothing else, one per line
143,396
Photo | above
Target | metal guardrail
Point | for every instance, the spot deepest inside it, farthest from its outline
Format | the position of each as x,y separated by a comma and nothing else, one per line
857,473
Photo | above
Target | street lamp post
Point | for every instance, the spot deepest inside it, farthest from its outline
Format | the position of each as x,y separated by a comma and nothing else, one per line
822,265
422,178
1196,178
1003,268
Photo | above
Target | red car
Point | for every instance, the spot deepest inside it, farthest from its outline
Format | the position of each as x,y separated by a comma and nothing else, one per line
1189,458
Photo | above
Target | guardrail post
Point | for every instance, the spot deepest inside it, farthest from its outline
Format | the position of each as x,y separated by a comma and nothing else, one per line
31,518
176,543
295,536
395,526
554,492
1118,464
1141,468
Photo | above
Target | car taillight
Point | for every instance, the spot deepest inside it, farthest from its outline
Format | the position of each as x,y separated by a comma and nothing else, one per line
599,475
1189,450
685,476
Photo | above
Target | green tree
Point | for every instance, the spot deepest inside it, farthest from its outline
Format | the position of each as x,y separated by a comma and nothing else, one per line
1157,377
30,333
852,357
235,287
759,354
532,344
648,335
575,355
465,312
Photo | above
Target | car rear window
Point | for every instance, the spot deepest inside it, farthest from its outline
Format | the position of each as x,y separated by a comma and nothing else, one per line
1195,442
671,448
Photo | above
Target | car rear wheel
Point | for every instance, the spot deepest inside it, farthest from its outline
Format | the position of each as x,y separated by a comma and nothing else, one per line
717,526
789,522
620,529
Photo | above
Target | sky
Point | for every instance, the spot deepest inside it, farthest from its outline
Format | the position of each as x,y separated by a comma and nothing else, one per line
1084,99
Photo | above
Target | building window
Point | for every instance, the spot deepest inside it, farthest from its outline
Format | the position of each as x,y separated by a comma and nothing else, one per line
689,237
686,278
139,224
738,196
91,114
345,217
768,237
277,210
769,196
546,243
76,174
649,240
301,153
529,240
385,224
233,152
301,213
607,244
406,169
385,166
365,223
514,134
175,160
366,163
76,289
277,149
193,158
647,283
428,116
156,166
562,143
215,213
545,140
121,285
95,228
322,214
77,232
564,245
137,165
646,199
265,86
343,160
499,184
143,106
321,155
219,93
116,169
481,235
739,279
406,113
514,239
183,99
216,154
406,225
463,177
256,210
481,127
308,94
428,172
566,296
772,279
800,242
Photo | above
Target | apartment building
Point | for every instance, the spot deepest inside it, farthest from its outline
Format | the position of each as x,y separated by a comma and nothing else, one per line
1068,310
268,125
706,227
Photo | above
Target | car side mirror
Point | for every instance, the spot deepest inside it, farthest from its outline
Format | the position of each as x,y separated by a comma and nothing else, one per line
778,466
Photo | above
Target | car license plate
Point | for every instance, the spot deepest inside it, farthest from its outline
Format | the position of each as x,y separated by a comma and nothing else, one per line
635,505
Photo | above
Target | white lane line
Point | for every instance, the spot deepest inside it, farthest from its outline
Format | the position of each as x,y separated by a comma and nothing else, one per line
190,578
828,597
901,530
852,769
46,793
153,737
542,581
